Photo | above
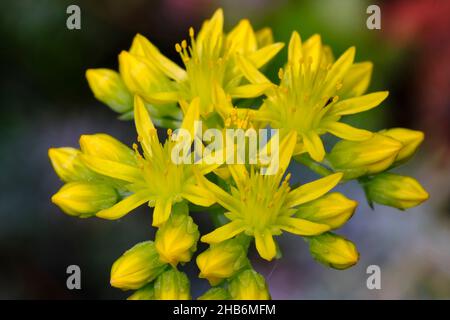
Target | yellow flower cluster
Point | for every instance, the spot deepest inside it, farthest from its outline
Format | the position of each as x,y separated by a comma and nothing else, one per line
107,179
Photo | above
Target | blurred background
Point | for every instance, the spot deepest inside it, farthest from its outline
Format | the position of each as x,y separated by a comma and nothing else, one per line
46,102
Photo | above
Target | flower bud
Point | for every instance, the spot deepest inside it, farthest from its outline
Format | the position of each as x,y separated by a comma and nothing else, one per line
333,250
137,267
109,88
106,147
333,209
359,158
68,166
222,260
176,240
85,199
249,285
172,285
137,73
411,140
145,293
396,191
215,294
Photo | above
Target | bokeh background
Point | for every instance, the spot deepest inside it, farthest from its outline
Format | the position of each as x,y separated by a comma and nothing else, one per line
45,102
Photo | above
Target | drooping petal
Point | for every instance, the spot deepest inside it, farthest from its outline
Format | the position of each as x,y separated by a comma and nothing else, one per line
359,104
314,146
312,190
265,245
347,132
123,207
112,169
224,232
162,211
301,227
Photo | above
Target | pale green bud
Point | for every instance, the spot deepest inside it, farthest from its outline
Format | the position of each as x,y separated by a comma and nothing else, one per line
176,240
85,199
411,140
333,209
215,294
67,164
145,293
359,158
396,191
333,250
222,260
249,285
104,146
137,267
172,285
109,88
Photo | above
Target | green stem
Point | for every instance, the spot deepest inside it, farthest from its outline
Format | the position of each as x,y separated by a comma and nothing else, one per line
312,165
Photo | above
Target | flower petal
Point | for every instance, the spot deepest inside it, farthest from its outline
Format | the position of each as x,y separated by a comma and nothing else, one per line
295,48
112,169
192,115
265,245
123,207
314,146
250,71
249,90
338,71
222,197
144,125
162,211
356,80
347,132
358,104
224,232
301,227
312,190
260,57
198,195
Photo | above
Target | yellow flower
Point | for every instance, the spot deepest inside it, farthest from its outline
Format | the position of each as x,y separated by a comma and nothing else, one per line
333,209
137,267
223,260
172,285
152,177
411,140
394,190
359,158
209,59
176,239
314,94
249,285
333,250
215,294
262,206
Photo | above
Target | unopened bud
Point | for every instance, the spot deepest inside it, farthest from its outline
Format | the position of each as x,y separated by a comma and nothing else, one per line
249,285
172,285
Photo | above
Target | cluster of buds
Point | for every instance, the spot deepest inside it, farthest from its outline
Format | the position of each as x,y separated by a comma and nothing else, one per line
107,179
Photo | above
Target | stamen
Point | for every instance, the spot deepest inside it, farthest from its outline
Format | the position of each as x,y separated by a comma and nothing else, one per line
178,47
191,32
